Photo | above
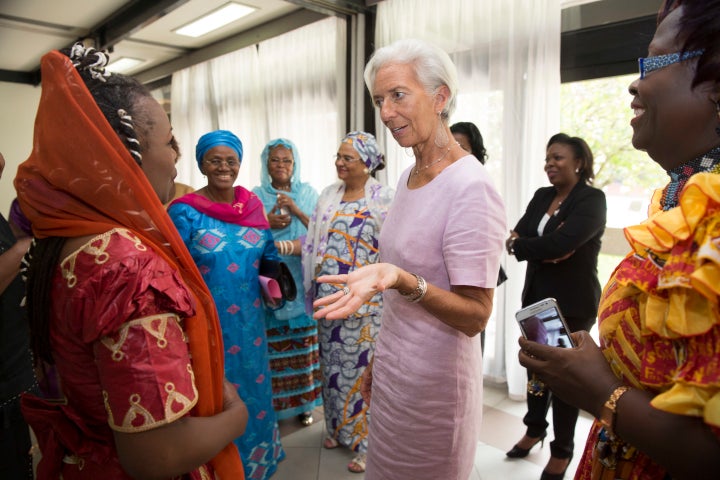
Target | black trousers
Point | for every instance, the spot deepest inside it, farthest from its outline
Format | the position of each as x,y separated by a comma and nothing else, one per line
564,415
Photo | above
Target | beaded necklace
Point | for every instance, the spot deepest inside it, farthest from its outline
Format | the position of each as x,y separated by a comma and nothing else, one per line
709,162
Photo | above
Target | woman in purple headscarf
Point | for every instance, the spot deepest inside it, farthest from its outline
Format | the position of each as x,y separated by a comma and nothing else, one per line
228,235
342,236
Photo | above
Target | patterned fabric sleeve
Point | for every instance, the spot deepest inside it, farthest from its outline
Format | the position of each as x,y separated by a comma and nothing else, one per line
660,317
659,321
146,376
130,303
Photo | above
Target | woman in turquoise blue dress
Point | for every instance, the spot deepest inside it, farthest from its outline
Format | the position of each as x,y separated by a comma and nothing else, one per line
292,333
226,231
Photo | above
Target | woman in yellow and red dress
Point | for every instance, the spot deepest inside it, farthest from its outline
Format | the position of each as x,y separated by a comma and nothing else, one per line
654,383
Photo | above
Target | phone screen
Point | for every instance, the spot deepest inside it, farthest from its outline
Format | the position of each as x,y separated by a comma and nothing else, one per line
546,327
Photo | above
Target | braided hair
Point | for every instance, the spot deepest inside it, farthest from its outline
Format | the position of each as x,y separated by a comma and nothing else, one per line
118,97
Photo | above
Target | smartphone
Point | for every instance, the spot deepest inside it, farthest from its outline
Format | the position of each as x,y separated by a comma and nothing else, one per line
542,322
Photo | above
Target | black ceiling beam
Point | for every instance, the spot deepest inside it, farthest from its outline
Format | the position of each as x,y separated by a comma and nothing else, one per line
129,19
333,7
253,36
605,50
118,26
14,76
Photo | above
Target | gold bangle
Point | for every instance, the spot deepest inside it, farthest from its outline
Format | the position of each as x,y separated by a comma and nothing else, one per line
607,416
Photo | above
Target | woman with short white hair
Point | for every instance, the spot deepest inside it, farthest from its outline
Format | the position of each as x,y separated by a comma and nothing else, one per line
440,247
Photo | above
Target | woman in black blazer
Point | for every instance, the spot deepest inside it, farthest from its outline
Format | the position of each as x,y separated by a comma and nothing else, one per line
559,236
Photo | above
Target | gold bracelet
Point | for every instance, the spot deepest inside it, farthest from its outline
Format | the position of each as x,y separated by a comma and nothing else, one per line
607,416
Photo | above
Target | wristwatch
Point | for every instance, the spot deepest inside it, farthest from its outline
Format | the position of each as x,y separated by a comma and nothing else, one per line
607,415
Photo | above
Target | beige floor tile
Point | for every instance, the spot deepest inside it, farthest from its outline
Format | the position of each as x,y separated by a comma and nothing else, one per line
502,427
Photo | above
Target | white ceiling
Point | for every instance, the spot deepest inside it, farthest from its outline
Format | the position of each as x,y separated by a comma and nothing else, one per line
30,28
142,29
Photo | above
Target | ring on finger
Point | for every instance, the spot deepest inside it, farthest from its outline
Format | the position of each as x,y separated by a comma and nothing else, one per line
346,290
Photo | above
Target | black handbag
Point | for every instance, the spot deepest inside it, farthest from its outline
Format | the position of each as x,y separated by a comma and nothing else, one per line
280,272
502,276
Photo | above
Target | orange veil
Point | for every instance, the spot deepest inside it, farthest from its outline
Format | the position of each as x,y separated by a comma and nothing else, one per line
80,180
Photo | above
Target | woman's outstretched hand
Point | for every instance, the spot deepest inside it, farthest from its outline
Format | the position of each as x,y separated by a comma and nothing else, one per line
580,376
356,288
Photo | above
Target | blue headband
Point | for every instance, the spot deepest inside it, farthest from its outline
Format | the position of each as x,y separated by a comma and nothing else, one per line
213,139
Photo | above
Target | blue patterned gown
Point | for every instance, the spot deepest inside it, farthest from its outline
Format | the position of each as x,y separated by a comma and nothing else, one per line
228,256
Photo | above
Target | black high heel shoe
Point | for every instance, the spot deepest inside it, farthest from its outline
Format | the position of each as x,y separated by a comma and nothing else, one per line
517,452
556,476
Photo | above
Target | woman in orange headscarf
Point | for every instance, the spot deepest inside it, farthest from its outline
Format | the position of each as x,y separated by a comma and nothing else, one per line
114,298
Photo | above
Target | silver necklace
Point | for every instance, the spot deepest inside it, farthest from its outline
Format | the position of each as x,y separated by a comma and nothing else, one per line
418,170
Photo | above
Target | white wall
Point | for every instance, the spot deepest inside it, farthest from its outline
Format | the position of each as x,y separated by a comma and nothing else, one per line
18,105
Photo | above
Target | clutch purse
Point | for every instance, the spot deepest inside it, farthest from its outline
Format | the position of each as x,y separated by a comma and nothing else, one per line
279,272
271,291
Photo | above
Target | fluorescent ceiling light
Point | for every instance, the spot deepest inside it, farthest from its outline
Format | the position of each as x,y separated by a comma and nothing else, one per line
212,21
574,3
124,64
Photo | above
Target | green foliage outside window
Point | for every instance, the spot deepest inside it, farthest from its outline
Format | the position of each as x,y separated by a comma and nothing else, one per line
599,111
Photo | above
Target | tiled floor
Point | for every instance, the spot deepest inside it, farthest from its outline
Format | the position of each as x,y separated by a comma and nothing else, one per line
502,427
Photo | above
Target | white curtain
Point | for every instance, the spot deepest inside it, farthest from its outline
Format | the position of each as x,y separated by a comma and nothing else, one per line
303,75
193,113
508,58
289,86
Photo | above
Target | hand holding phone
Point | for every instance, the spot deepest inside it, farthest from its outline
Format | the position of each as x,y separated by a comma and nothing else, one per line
542,322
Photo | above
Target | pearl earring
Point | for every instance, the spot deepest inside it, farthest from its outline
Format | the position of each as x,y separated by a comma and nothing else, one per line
366,170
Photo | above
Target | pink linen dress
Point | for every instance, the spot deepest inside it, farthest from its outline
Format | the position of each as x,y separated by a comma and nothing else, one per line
426,402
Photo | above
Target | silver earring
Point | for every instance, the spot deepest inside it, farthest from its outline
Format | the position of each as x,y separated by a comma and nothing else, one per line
577,170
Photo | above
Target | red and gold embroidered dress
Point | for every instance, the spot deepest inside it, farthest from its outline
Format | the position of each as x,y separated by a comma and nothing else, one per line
660,319
134,330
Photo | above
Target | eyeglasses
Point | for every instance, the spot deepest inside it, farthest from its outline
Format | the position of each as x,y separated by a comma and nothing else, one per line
649,64
217,162
345,159
284,161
